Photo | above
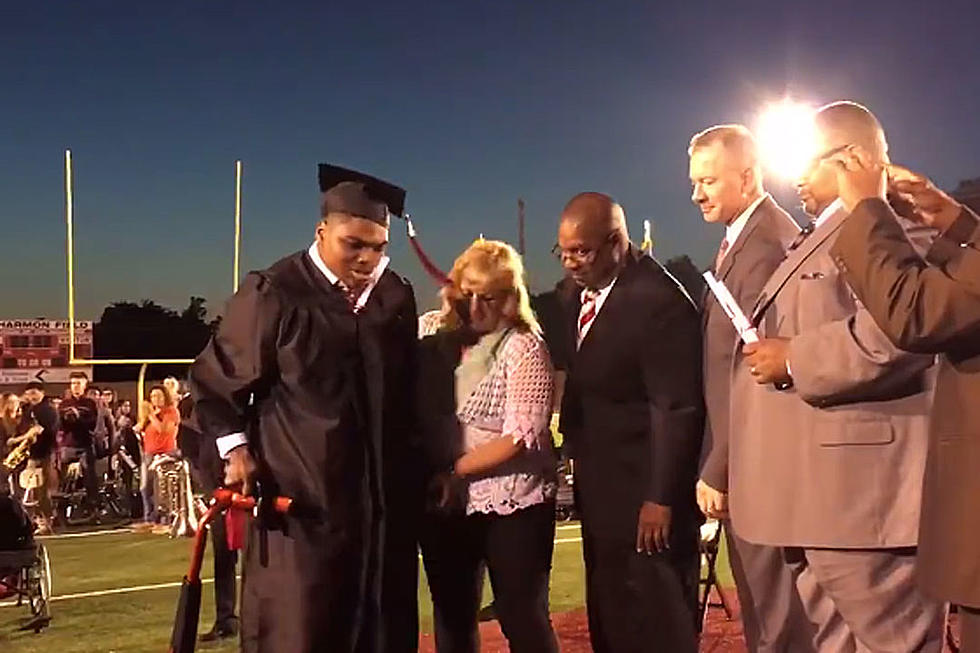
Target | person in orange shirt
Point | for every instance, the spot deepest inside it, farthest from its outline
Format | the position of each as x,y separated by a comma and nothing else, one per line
158,427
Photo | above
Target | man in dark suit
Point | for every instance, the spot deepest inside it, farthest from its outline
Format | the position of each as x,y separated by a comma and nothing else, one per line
632,417
927,305
727,186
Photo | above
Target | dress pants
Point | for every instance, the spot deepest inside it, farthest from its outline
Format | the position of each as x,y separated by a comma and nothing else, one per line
773,619
640,603
225,559
516,550
866,601
225,585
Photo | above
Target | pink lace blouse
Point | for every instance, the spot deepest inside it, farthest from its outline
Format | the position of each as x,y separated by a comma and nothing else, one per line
514,399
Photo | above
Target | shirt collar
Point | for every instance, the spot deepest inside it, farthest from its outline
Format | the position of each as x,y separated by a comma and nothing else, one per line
734,230
835,206
602,292
335,280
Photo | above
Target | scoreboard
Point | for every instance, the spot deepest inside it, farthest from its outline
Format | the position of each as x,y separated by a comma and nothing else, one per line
38,350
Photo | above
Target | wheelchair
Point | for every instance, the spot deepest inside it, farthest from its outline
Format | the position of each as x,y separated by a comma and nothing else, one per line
25,569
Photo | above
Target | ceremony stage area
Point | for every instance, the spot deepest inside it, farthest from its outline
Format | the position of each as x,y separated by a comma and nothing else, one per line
116,591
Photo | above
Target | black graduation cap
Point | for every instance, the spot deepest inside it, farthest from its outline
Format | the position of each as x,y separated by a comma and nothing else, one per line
349,191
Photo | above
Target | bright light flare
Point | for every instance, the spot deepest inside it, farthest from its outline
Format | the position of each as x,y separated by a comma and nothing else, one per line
786,137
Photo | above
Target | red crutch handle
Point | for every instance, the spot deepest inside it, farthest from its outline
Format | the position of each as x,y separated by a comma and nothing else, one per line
224,499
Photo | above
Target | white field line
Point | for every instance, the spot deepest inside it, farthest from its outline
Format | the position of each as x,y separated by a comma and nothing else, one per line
68,536
160,586
119,531
117,590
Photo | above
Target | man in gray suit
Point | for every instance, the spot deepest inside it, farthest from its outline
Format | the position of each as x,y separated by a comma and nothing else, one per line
833,427
727,186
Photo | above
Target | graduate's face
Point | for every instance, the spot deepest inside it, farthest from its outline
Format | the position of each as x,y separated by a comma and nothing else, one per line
351,247
720,183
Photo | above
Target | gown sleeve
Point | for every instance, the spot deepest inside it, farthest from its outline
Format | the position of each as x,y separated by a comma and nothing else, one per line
239,357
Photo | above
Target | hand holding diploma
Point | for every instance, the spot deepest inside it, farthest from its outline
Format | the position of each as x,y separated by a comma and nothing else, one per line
767,360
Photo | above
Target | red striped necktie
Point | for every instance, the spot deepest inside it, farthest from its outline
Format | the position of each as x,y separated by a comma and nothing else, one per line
722,250
588,311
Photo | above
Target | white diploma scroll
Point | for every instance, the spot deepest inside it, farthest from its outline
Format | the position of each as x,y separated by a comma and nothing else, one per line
741,323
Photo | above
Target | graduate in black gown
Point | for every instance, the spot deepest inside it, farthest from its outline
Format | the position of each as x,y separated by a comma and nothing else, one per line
305,385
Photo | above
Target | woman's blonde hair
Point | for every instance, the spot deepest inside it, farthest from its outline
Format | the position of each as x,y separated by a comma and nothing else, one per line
502,266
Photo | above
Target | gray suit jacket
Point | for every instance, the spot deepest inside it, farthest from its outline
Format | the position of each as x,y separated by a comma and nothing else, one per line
836,461
932,308
750,261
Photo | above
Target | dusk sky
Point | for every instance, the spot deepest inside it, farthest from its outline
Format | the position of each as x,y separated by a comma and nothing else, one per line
469,105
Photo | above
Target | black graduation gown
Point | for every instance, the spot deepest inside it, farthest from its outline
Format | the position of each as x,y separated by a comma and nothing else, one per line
330,413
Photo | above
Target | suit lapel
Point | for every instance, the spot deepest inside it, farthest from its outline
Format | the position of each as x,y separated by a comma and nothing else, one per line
613,300
569,296
794,260
760,214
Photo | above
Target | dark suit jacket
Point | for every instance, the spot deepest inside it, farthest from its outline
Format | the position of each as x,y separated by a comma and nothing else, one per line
632,413
750,261
932,308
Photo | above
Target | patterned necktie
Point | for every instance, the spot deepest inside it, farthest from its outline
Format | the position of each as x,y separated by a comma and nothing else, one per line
722,250
588,311
804,232
351,294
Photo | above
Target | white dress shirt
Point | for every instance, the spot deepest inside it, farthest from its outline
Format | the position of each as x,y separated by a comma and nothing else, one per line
734,229
233,440
834,207
599,301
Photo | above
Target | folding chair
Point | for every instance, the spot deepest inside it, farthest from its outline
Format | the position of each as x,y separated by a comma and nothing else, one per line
711,532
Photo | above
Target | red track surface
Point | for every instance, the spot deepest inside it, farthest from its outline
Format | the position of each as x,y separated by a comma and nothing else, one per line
720,635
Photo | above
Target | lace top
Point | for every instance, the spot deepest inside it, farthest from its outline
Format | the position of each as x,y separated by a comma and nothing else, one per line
514,399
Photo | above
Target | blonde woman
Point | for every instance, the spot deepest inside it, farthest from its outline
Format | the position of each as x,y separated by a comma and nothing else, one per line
486,403
10,422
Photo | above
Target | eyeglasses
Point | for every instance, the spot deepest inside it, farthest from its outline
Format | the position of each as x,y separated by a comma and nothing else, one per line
484,298
580,254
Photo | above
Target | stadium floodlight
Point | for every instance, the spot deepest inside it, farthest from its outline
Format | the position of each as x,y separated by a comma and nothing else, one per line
786,137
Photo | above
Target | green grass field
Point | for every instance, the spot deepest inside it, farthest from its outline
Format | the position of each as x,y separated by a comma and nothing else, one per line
140,620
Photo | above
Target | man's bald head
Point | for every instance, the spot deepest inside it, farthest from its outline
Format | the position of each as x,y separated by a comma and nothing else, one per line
849,123
592,239
597,213
838,125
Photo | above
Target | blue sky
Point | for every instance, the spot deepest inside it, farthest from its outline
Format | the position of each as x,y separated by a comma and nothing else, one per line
469,105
